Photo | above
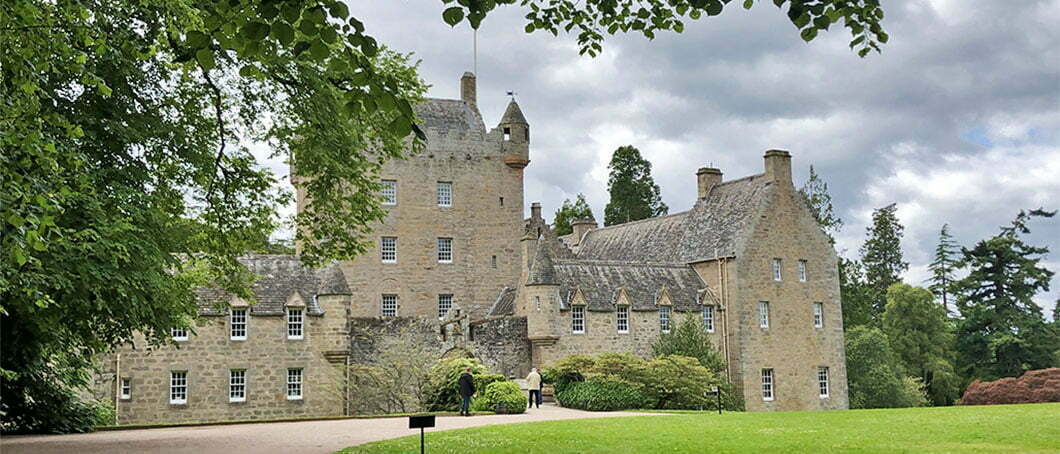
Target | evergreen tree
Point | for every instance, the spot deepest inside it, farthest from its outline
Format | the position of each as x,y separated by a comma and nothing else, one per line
1003,332
815,192
634,194
943,266
570,212
855,293
875,376
921,338
881,256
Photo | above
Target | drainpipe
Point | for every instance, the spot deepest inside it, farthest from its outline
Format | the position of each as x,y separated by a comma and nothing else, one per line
346,394
117,386
725,320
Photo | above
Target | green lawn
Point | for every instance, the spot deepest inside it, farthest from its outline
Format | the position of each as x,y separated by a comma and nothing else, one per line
1000,428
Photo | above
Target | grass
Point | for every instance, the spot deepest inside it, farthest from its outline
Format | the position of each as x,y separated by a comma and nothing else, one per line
228,422
1033,428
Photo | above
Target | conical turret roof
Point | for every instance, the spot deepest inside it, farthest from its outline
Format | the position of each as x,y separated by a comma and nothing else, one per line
513,114
541,271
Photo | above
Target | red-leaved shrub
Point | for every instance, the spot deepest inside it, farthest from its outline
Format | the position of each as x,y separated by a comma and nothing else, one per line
1034,386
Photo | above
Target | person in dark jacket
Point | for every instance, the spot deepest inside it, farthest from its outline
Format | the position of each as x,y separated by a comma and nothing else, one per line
467,389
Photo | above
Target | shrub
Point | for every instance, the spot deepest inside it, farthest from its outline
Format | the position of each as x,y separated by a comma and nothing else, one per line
442,392
680,383
1034,386
501,397
568,370
601,396
484,380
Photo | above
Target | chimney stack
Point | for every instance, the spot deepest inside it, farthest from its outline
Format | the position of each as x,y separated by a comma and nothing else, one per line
581,227
707,177
778,166
535,210
467,90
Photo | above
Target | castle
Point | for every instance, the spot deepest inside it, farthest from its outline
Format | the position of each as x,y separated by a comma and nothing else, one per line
747,259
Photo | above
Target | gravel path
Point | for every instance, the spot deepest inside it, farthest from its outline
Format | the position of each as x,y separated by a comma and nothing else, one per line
307,436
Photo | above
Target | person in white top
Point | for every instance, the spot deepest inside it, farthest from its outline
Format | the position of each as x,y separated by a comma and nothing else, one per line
533,383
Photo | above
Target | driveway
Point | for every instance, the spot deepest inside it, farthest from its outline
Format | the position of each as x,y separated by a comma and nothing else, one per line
306,436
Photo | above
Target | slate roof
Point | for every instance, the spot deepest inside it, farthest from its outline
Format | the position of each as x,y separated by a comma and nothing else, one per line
600,281
505,303
449,115
280,277
541,270
713,227
513,114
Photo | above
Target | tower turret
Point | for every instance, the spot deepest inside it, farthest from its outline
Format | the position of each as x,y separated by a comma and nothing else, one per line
516,135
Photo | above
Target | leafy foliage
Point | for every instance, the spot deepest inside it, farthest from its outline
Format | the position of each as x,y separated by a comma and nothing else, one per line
922,340
875,376
502,396
634,194
442,391
815,193
395,378
881,256
602,396
856,294
570,212
593,18
943,267
1003,332
690,338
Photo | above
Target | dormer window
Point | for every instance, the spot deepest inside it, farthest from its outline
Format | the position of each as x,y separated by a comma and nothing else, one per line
622,318
507,133
664,319
577,319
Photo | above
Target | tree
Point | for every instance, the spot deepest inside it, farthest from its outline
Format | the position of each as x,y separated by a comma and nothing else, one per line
922,340
815,193
943,267
875,376
855,293
570,212
881,255
634,194
690,338
1002,332
392,367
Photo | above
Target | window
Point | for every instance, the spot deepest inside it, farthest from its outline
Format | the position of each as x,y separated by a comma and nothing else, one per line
126,388
822,381
294,384
502,201
802,271
622,320
389,192
507,134
776,269
708,318
388,249
390,306
767,384
237,385
577,319
294,323
445,250
763,314
445,194
179,334
445,302
818,315
238,324
493,261
178,387
664,319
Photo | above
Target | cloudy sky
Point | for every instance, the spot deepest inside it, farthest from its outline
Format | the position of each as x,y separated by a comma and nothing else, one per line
957,121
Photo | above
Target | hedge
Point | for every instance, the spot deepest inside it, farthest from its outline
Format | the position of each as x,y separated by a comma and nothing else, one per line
501,397
601,396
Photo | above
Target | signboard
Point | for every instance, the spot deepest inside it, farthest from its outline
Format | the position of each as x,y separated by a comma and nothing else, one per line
419,422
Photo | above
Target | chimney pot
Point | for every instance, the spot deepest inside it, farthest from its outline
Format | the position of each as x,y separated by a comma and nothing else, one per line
535,210
581,227
707,178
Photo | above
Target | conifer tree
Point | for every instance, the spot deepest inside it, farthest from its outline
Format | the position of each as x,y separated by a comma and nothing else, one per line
815,192
921,338
634,194
1003,332
570,212
942,267
881,255
855,293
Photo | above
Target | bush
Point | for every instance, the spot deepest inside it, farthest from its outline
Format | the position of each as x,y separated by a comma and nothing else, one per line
680,383
442,392
1034,386
601,396
568,370
501,397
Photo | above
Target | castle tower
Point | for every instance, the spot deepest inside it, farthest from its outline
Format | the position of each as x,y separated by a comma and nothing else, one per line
516,136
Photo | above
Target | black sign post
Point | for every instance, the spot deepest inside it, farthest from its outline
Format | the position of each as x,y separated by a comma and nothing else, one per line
715,391
421,422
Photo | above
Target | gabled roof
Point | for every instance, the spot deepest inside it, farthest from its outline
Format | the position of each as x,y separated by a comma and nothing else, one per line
281,276
448,115
712,228
505,303
599,283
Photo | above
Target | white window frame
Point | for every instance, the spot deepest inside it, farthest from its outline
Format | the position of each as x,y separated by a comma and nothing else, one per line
768,385
294,383
390,300
664,319
777,275
802,271
822,381
178,387
445,304
126,388
577,319
237,385
763,314
179,334
389,192
237,324
445,250
818,315
295,323
708,318
388,249
445,194
622,319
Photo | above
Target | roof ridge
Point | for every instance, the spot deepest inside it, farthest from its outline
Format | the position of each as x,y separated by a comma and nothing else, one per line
620,263
639,221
